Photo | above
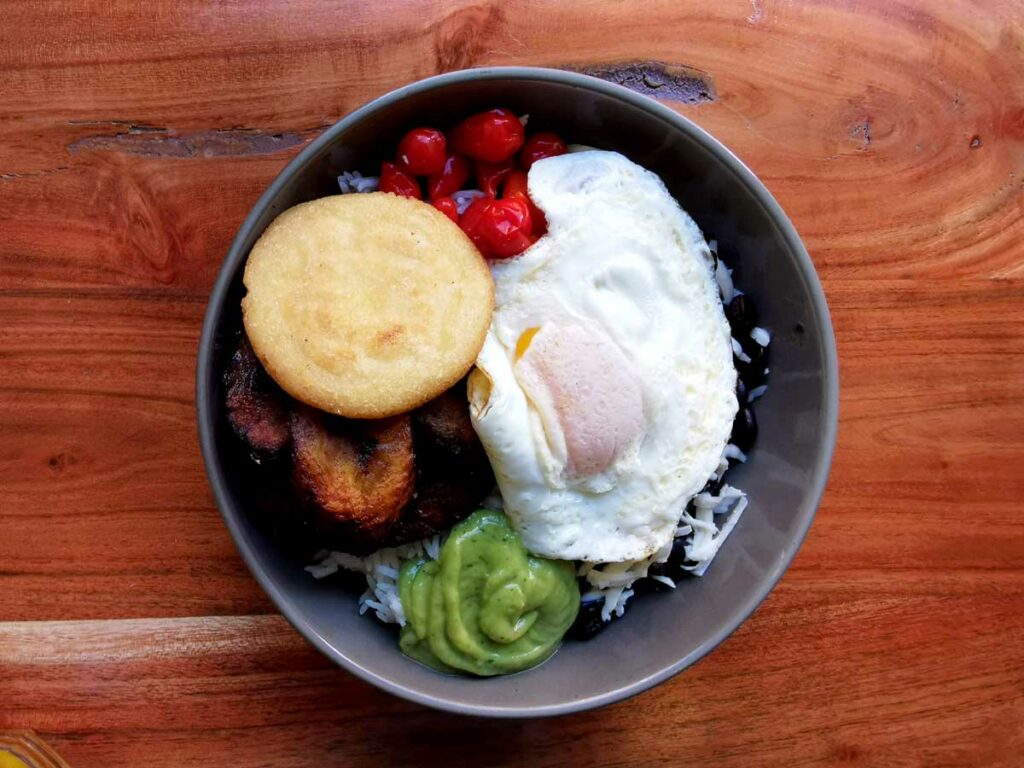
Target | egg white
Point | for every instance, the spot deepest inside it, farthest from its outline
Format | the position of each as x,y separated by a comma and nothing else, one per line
623,258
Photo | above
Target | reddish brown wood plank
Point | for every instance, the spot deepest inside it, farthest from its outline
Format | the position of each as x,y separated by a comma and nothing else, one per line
101,481
135,137
893,132
786,688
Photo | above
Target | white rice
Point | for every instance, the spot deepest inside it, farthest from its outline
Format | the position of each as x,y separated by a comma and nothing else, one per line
733,452
382,568
737,350
761,336
465,197
612,582
723,276
756,393
723,467
707,534
354,181
381,571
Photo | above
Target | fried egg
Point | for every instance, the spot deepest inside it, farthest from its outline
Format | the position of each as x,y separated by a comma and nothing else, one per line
604,393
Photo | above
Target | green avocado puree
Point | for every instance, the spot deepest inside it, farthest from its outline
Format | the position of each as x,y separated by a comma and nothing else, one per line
485,606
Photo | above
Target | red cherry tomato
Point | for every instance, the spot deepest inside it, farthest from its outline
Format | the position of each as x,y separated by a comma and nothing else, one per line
448,207
470,223
450,178
394,179
422,151
491,136
540,145
515,186
489,176
506,228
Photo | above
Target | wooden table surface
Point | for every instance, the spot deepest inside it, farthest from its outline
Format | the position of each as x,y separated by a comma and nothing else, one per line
135,136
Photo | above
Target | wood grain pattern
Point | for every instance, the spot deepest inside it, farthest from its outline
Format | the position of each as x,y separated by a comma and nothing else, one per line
783,690
135,137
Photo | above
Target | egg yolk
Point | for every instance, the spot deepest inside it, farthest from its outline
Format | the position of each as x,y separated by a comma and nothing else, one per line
524,340
588,398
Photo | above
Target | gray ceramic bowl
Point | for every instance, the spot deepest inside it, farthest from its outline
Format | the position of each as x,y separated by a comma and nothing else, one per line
663,633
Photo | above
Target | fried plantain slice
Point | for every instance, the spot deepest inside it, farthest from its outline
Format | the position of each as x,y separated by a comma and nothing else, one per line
453,474
444,432
257,407
357,475
438,505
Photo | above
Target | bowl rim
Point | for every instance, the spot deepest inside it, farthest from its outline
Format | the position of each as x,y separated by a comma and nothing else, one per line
830,415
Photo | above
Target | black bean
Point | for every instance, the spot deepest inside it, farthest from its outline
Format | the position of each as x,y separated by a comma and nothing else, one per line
753,374
649,586
741,315
678,554
674,568
741,391
714,486
588,621
758,355
744,430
